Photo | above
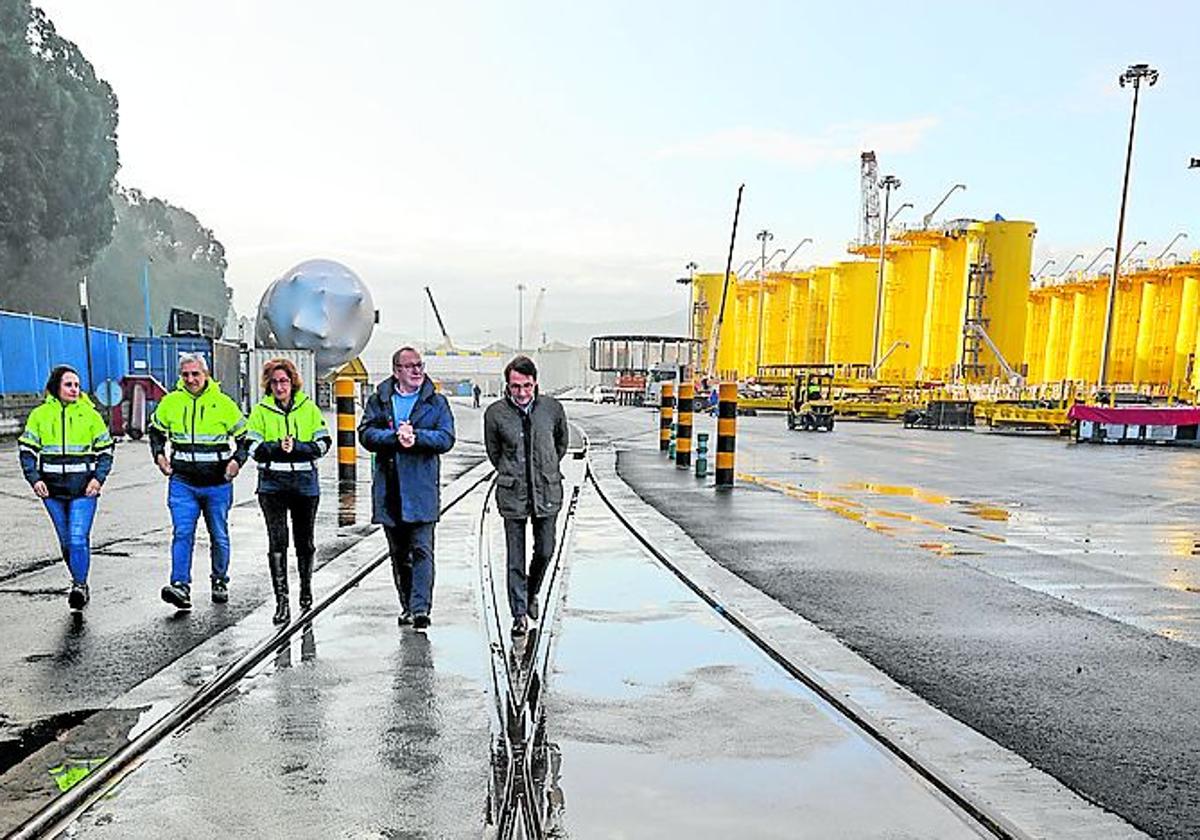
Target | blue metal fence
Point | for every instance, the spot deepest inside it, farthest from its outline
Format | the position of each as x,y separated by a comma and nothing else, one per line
30,346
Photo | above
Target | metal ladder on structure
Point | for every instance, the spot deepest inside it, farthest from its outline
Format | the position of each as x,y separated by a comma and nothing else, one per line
979,274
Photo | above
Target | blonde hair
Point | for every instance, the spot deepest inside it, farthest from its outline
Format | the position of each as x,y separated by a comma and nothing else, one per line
287,367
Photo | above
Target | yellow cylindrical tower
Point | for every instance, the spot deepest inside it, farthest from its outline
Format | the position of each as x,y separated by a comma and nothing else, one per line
1057,335
902,332
817,345
775,319
1124,330
797,322
1008,248
851,312
1145,331
707,290
1185,336
747,295
1037,322
944,306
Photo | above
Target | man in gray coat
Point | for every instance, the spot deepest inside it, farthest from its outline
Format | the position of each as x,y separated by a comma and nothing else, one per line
526,436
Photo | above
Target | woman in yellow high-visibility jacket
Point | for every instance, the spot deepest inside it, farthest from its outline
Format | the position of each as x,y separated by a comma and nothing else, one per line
287,434
66,454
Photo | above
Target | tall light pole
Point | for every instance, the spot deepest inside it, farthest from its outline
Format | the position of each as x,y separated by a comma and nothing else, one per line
906,205
929,216
520,316
1074,259
146,293
1134,75
889,183
87,332
764,236
691,269
788,258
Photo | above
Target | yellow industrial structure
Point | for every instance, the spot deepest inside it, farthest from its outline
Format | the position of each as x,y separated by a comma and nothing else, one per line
958,305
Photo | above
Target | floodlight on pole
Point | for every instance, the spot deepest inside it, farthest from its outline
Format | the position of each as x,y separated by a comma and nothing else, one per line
741,272
1096,259
1178,236
1136,245
887,184
691,267
1074,259
1045,265
929,216
771,258
764,236
1134,75
906,205
788,258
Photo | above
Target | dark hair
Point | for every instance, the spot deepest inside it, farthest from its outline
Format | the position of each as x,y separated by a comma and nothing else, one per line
55,381
522,365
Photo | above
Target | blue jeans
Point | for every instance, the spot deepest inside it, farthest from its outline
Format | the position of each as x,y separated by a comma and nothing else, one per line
411,547
187,502
72,520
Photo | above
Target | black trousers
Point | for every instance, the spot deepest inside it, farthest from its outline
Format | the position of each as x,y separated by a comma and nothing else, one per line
303,510
410,545
520,584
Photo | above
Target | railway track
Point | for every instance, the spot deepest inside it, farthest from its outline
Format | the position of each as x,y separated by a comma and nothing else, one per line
520,803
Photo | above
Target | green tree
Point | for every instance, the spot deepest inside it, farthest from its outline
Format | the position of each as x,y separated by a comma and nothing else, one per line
186,266
58,159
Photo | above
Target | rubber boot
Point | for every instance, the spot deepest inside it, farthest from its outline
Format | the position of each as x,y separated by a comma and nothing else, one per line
278,564
305,565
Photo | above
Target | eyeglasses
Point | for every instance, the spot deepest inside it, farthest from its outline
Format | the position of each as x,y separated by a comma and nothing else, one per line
411,366
281,380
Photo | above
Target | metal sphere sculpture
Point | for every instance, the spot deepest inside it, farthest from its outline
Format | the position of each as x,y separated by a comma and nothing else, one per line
318,305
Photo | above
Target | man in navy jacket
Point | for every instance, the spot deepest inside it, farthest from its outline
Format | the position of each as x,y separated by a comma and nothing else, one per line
408,425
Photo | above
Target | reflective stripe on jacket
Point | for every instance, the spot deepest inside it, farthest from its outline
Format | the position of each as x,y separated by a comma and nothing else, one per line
295,471
200,429
65,445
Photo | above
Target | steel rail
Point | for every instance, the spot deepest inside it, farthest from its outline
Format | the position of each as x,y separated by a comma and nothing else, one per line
57,815
517,712
996,825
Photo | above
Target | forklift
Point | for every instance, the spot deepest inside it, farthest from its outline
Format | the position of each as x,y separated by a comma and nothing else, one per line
811,406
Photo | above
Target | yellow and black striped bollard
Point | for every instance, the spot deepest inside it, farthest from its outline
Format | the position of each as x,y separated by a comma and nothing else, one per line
726,433
666,413
343,390
683,434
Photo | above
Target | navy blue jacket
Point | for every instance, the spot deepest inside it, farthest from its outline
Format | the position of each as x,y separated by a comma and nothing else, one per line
406,483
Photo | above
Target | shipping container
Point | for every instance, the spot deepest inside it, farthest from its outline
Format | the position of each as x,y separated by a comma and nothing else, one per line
30,346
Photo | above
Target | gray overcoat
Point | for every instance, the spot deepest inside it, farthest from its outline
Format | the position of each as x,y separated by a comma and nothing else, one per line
525,450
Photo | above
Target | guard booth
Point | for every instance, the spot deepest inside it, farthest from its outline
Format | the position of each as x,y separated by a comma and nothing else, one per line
354,370
641,362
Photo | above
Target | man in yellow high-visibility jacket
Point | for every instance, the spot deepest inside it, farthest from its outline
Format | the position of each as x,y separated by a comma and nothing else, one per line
201,424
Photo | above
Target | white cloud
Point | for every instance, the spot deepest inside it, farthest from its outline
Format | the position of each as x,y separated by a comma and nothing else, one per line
839,142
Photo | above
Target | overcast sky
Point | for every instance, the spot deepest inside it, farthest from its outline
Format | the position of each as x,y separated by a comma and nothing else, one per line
595,148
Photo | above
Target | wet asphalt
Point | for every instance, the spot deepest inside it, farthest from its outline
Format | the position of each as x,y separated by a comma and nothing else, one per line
1042,593
666,722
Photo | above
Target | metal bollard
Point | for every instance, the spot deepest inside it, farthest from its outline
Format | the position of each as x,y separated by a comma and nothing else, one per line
701,454
683,437
343,389
666,414
726,433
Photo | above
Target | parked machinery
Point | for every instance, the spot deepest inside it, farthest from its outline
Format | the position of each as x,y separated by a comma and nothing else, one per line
811,406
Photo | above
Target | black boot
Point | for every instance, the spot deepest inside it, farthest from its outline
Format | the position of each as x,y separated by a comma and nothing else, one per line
305,565
278,564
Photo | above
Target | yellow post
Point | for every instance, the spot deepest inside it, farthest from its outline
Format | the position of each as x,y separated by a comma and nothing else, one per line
343,390
683,431
726,432
666,414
